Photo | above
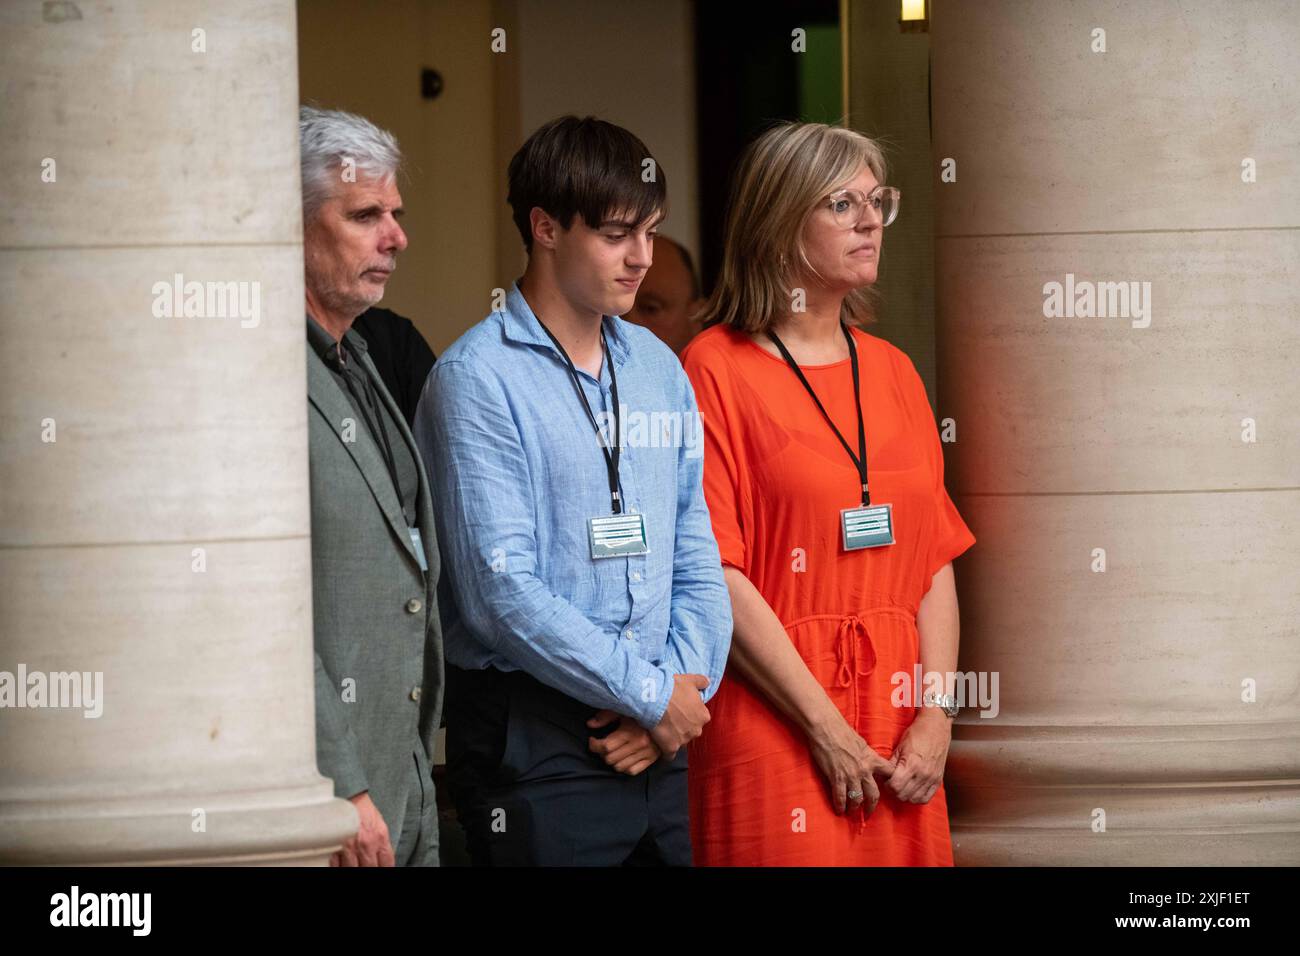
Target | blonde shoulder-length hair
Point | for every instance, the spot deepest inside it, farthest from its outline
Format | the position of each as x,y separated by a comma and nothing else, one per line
782,177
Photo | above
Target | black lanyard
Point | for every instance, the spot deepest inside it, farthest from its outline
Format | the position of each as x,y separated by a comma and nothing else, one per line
860,459
611,454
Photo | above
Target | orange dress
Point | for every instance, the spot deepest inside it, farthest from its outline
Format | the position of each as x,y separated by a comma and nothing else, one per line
776,478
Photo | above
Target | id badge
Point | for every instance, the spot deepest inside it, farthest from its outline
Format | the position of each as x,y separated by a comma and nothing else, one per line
613,536
870,527
418,544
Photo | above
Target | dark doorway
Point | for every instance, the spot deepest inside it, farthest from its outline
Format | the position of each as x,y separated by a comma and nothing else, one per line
749,76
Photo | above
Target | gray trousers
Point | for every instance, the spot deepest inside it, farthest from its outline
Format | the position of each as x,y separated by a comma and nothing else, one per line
417,836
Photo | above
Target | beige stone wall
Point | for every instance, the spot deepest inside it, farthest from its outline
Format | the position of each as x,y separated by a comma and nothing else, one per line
1159,691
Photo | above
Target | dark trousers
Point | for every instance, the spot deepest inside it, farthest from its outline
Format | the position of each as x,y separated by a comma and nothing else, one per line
529,792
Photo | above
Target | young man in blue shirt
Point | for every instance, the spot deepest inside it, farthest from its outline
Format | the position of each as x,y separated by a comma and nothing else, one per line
565,453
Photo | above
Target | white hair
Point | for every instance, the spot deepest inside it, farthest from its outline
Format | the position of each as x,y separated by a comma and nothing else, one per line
327,139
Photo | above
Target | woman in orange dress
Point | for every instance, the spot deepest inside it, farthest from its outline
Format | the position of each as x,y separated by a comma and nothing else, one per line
818,752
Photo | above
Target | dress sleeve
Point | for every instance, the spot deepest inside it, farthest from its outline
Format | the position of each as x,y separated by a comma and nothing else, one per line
950,536
723,467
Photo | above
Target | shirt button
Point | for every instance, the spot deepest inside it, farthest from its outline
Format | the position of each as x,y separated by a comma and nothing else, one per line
415,693
629,633
413,606
636,575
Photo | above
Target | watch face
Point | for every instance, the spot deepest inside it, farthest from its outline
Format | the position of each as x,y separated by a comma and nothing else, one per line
944,702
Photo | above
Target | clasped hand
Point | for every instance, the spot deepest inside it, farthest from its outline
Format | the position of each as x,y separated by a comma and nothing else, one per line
630,748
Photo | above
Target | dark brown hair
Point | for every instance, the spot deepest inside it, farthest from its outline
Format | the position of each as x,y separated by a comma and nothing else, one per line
584,167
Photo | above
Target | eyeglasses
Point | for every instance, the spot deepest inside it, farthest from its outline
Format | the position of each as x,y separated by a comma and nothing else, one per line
847,205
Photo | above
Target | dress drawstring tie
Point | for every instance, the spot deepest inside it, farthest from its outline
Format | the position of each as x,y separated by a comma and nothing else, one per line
853,649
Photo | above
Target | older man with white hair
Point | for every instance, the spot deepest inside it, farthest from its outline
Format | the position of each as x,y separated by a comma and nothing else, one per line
379,665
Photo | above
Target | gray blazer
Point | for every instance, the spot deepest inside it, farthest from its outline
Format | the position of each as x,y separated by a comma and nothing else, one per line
379,666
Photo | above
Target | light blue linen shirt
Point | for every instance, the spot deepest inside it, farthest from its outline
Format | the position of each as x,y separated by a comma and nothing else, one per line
517,471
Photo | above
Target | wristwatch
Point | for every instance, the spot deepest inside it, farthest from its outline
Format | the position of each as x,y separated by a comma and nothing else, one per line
947,702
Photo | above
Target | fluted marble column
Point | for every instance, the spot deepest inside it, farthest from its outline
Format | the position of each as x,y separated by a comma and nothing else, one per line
154,516
1156,697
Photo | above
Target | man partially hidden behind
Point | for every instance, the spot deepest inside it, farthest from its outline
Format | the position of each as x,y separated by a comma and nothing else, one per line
401,355
594,619
379,669
668,300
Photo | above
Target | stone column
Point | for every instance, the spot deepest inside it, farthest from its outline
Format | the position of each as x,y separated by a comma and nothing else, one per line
1133,475
154,515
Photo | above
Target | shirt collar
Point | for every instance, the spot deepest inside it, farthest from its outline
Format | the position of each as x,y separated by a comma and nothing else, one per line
324,345
521,325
